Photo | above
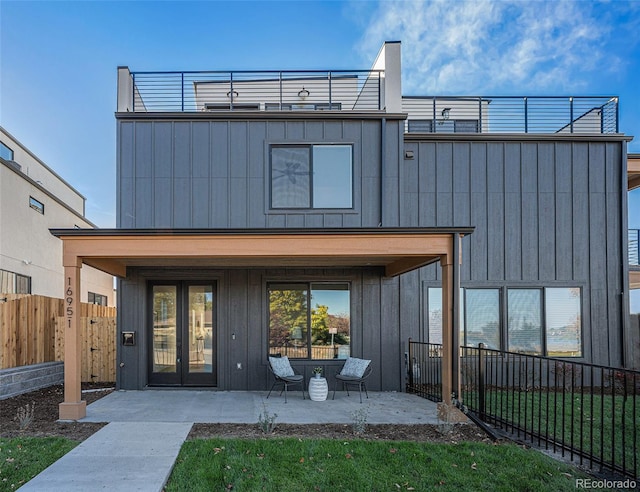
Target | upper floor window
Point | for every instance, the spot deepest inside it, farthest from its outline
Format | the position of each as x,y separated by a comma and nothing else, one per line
37,205
311,176
5,152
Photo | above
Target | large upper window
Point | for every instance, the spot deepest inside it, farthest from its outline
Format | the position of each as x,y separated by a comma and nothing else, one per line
5,152
311,176
309,320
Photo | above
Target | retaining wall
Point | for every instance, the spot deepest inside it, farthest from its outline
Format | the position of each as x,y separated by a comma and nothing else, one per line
18,380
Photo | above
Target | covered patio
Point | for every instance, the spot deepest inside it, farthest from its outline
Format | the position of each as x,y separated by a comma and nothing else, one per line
395,250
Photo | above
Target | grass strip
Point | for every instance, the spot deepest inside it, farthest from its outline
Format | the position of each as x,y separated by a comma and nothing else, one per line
330,465
23,458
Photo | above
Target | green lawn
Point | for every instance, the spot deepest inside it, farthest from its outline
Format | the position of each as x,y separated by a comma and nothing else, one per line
330,465
603,425
21,459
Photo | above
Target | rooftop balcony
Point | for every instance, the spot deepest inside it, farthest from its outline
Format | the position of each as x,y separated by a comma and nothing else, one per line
361,91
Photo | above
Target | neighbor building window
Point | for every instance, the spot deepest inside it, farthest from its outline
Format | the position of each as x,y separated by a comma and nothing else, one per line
309,320
37,205
14,283
311,176
5,152
98,299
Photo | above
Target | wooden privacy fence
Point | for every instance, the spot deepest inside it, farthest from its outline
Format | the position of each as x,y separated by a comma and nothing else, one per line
31,332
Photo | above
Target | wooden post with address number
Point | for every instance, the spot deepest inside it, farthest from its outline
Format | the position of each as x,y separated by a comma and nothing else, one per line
73,408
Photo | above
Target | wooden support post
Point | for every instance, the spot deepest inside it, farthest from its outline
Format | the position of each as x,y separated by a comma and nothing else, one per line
446,263
450,264
73,408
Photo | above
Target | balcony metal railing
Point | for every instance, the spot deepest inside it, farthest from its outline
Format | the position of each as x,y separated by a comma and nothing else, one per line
511,114
354,90
634,240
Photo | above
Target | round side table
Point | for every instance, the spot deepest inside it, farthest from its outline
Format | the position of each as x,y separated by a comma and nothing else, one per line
318,389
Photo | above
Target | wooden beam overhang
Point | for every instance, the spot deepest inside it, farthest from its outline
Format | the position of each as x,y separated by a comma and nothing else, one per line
397,250
633,171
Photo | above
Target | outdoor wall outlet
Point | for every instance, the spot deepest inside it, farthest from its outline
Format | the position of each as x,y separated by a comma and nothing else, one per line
239,365
233,336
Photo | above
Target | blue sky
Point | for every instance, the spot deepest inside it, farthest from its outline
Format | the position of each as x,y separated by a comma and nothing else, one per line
58,60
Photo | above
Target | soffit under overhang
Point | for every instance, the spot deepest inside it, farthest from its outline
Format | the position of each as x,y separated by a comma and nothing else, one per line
396,250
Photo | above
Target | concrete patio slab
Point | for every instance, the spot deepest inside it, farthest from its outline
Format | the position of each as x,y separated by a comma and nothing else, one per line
244,407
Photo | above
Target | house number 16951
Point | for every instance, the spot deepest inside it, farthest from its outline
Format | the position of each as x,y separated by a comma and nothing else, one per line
69,301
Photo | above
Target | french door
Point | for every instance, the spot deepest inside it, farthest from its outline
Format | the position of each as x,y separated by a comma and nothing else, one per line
182,334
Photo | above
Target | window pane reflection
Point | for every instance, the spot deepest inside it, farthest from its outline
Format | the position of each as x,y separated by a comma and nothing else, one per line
525,321
564,322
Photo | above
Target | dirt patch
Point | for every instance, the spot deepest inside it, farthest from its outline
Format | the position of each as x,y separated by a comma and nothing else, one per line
373,432
45,423
45,413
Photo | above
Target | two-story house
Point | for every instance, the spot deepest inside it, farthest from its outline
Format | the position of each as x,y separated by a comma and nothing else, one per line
33,199
322,214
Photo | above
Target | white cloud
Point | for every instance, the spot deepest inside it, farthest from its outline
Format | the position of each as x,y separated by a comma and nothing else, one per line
480,47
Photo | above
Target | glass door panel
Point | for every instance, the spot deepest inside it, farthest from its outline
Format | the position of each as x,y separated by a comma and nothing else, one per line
165,336
200,327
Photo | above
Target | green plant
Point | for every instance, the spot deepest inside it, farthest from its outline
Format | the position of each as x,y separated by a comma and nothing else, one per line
317,370
266,420
360,420
24,416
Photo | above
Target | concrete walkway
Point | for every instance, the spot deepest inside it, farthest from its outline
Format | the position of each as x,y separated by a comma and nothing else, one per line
121,457
137,449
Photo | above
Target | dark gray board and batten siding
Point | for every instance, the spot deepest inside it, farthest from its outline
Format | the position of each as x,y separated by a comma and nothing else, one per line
214,174
242,311
546,212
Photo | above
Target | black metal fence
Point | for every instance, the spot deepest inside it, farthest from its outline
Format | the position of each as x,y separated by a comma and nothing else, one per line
586,412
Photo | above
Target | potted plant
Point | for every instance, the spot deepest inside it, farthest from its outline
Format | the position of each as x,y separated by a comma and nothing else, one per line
317,371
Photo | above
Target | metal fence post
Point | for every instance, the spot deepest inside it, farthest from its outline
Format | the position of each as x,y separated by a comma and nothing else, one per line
481,399
410,364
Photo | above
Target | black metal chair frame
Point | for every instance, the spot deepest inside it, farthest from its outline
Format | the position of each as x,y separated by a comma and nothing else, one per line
353,381
286,381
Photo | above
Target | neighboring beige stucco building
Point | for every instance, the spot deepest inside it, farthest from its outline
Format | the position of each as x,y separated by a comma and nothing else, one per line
33,199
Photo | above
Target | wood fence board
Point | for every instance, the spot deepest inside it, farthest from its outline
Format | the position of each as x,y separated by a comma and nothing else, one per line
32,331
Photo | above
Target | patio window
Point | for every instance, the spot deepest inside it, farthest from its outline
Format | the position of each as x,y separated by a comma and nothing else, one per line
311,176
540,321
309,320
